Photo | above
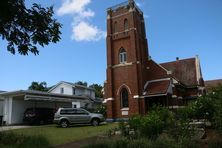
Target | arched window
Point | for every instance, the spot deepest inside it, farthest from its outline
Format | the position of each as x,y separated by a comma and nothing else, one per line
124,98
122,56
126,24
115,27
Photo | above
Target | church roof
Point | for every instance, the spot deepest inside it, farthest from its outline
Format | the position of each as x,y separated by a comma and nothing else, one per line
213,83
184,70
157,88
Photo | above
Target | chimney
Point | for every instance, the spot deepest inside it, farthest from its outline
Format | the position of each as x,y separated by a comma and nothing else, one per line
149,58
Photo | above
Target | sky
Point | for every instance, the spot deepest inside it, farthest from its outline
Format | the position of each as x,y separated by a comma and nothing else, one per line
174,28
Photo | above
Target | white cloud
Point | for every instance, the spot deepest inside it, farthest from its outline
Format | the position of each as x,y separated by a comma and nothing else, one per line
86,32
81,29
146,16
72,7
88,13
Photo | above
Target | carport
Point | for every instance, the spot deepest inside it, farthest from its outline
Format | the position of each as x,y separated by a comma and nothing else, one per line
16,102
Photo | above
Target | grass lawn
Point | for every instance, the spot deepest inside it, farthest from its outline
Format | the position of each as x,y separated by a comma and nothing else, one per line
56,135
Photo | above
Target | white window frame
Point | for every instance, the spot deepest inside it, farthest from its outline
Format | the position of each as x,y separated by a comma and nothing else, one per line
122,56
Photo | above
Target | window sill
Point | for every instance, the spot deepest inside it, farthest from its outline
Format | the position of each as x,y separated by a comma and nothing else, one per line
125,109
122,64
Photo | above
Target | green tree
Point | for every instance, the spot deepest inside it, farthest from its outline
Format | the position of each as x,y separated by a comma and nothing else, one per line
25,28
40,86
216,96
98,90
82,83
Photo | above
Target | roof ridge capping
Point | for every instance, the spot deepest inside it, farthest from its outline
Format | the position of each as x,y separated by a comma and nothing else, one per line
184,59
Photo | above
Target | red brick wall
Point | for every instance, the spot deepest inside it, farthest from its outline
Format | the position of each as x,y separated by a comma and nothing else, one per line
130,76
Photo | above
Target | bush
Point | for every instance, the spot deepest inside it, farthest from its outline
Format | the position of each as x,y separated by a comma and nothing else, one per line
9,139
185,113
204,108
102,110
149,126
124,128
216,95
161,142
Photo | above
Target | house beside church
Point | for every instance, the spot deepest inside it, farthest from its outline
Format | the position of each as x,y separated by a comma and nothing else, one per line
64,94
134,81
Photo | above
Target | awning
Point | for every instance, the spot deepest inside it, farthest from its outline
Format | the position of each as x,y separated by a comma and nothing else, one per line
158,88
51,99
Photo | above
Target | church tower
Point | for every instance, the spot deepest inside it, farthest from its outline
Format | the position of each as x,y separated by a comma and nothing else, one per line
127,54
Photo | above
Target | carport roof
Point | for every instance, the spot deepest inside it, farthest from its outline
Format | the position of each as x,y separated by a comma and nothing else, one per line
44,94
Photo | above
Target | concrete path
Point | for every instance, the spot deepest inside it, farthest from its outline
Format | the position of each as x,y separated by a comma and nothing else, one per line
7,128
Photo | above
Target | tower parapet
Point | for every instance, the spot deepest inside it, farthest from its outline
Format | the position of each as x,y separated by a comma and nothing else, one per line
130,3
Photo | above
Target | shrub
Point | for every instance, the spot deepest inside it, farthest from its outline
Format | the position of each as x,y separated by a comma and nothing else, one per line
185,113
124,128
136,143
102,110
166,116
150,125
216,96
204,108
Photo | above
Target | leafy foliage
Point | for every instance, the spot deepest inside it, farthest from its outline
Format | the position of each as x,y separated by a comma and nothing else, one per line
207,107
161,142
98,90
150,125
102,109
203,108
81,83
39,86
25,28
216,96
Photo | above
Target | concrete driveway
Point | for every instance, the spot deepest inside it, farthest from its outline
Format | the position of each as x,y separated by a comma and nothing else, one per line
7,128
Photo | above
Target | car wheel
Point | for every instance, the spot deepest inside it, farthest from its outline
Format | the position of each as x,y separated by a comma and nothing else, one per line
95,122
64,123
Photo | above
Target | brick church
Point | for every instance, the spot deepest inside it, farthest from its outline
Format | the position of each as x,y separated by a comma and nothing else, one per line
135,82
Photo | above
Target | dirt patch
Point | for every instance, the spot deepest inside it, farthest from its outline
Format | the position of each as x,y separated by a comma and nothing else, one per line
81,143
211,135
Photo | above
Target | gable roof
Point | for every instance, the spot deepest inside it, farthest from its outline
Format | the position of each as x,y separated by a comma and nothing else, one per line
71,84
184,70
213,83
157,87
155,70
